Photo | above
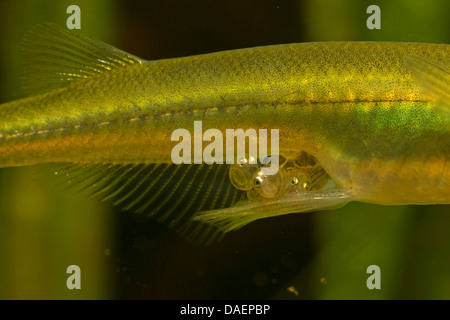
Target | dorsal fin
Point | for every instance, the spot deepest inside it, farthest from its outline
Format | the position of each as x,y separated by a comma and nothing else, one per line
434,80
169,193
54,56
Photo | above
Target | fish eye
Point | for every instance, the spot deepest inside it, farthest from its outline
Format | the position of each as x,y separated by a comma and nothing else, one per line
295,181
242,162
258,182
269,186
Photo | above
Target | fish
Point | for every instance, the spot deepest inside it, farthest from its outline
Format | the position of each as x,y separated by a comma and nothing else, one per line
357,121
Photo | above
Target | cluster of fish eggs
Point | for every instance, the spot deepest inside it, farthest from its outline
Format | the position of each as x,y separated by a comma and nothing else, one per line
302,173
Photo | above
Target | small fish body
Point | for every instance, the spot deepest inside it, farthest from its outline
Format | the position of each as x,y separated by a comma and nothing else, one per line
358,121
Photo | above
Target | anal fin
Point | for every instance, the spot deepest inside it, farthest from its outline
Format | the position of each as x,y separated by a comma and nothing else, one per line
169,193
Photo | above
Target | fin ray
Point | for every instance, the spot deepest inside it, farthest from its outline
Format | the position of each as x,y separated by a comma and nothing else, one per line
54,57
169,193
433,78
235,217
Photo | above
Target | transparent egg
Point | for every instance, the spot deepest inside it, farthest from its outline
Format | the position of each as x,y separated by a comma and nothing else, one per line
242,175
268,160
269,186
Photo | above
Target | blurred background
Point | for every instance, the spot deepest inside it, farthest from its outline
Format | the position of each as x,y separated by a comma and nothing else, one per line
321,255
